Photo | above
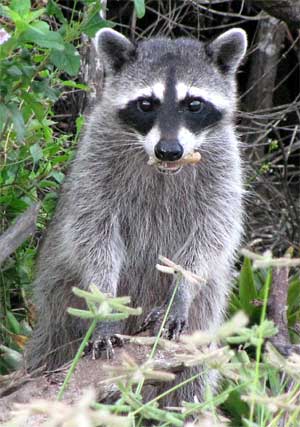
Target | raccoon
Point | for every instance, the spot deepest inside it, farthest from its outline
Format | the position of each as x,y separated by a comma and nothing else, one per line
117,212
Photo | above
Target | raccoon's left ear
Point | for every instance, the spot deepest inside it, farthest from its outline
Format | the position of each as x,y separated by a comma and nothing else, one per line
228,50
113,48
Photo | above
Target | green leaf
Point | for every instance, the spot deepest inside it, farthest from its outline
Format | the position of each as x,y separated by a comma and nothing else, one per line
13,324
44,88
68,60
22,7
70,83
84,314
294,294
9,13
35,14
17,206
60,159
140,8
79,123
11,357
18,121
236,407
35,106
14,71
235,304
40,34
247,290
46,183
248,423
54,10
58,176
95,23
36,152
4,11
4,114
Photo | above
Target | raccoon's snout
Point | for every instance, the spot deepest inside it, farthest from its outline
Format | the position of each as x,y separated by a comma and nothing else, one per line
168,150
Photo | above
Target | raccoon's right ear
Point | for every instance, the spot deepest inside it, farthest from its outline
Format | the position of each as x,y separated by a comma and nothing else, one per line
228,50
114,48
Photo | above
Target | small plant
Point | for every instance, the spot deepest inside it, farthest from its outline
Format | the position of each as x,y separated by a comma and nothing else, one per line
100,308
249,290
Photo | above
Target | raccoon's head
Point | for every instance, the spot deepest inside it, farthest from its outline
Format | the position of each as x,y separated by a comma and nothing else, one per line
171,93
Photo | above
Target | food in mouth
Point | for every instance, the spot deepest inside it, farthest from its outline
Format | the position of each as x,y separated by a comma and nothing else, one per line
175,166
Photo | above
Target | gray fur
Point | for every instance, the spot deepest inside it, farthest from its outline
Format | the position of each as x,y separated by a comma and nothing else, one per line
116,213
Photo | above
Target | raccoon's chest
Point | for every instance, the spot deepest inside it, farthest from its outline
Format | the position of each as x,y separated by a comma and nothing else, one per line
158,222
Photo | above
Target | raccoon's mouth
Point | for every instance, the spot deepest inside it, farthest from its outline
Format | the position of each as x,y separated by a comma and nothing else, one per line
171,168
168,168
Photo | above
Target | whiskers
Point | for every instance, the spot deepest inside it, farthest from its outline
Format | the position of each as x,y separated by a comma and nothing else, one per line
113,149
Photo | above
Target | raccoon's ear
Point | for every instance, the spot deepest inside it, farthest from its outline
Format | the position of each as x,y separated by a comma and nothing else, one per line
114,48
228,50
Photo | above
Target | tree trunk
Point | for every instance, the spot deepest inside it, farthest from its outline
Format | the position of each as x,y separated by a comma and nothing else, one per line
261,81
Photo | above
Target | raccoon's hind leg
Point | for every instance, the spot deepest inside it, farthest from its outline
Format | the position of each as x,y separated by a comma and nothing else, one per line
57,335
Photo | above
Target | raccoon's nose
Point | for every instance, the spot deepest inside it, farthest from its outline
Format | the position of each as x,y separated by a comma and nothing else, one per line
168,150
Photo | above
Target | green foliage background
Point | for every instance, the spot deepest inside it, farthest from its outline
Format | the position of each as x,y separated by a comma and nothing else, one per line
39,63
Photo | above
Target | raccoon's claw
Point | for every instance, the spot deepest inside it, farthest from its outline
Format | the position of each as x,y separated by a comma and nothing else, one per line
174,325
103,347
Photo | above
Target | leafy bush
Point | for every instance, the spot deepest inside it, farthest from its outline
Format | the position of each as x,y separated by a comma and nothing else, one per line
39,62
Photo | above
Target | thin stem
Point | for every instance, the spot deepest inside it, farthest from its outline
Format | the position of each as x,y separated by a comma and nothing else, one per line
170,390
77,358
260,338
179,276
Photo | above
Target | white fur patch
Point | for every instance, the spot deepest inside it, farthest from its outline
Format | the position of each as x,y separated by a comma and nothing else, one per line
206,94
123,99
151,139
182,90
157,90
187,140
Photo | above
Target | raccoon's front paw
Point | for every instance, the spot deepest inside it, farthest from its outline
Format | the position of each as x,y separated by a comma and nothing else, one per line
152,320
103,346
173,327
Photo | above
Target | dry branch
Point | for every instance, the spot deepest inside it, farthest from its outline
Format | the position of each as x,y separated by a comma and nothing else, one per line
92,73
17,233
277,305
277,310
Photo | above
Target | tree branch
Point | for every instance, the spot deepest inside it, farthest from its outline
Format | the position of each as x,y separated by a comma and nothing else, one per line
17,233
277,306
277,311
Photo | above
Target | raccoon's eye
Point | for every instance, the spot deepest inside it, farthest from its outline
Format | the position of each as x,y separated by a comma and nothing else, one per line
195,105
145,105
